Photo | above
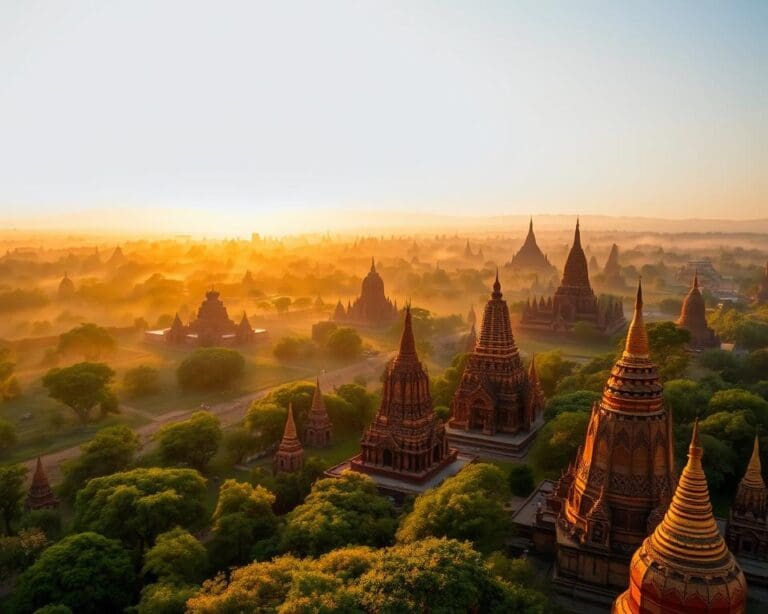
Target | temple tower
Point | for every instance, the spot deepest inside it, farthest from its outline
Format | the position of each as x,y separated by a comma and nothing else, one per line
626,463
693,318
212,321
290,453
530,259
40,495
684,567
177,333
66,289
494,393
372,307
406,439
747,531
318,428
471,340
244,332
612,270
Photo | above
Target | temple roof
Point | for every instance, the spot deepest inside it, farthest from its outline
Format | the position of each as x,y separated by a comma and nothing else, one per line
576,272
495,330
290,441
753,478
407,352
40,478
530,255
693,311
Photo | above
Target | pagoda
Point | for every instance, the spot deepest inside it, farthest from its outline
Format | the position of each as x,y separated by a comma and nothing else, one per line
762,288
693,319
747,531
574,300
66,289
612,271
471,340
495,394
530,259
372,307
619,486
471,316
40,495
318,428
211,327
685,567
405,449
289,457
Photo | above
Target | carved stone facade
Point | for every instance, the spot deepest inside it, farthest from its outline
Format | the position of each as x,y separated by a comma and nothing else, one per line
619,485
495,393
574,300
372,307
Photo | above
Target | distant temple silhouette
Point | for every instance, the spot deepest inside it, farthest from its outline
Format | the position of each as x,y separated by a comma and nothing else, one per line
693,319
530,258
612,276
574,300
40,495
372,307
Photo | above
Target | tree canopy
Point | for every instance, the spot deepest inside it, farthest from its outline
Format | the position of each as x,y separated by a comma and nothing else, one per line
12,492
191,442
177,557
211,369
89,340
82,387
557,442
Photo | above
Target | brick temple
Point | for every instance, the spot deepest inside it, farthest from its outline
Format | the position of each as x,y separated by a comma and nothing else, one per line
372,307
498,405
405,450
693,318
530,259
289,456
318,428
574,301
40,495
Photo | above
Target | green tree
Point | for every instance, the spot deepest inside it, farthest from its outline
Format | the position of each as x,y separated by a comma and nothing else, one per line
239,443
444,386
12,492
266,421
289,349
362,407
322,330
344,344
136,506
17,552
686,399
165,598
192,442
557,442
141,381
467,506
735,400
47,521
7,436
339,511
86,572
82,387
581,400
89,340
667,343
112,449
9,384
210,369
551,367
521,480
177,557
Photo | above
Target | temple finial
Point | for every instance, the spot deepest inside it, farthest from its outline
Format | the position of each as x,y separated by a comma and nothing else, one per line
407,342
695,279
695,446
637,337
496,286
577,235
373,265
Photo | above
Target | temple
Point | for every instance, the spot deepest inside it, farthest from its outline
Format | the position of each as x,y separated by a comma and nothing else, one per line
405,449
693,319
40,495
747,531
290,453
211,327
497,407
761,294
612,271
574,301
619,486
318,429
530,259
66,289
372,307
685,567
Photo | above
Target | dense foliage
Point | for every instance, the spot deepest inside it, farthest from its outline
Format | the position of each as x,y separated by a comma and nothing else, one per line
211,369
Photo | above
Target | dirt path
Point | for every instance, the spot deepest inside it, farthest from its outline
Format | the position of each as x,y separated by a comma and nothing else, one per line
229,412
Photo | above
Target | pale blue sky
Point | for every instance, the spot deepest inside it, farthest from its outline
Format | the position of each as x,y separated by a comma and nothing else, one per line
481,107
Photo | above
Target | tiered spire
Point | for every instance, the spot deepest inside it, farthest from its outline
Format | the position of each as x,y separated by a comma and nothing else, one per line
637,337
693,318
318,427
576,272
40,495
290,453
685,566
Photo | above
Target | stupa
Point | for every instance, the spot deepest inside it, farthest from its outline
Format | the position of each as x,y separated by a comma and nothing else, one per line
372,307
495,400
747,531
290,453
684,567
405,449
530,259
318,428
574,300
40,495
620,483
612,271
66,289
693,318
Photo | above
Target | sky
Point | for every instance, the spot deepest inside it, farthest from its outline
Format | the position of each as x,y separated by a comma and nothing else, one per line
234,114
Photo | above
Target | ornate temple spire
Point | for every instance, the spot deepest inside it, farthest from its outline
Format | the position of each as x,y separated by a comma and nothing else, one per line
685,565
290,453
496,286
40,495
407,342
753,478
576,272
695,279
373,265
318,426
637,337
289,435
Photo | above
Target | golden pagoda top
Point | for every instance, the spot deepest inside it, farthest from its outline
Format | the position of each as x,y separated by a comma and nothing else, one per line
753,477
289,435
637,337
685,565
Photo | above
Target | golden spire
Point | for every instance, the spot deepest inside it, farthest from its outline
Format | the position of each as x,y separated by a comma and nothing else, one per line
754,475
290,425
317,399
637,337
407,342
